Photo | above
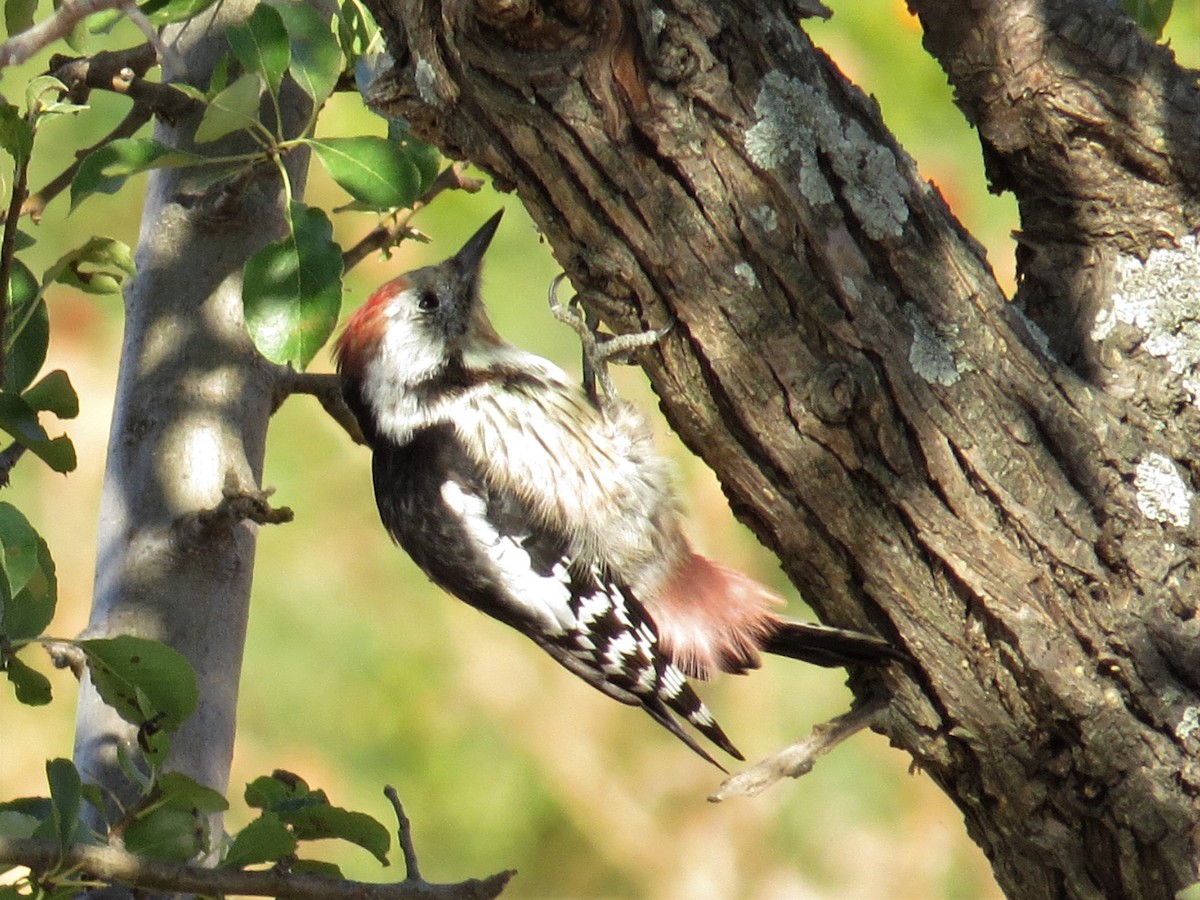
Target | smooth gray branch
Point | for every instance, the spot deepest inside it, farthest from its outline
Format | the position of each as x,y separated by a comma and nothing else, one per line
109,864
21,47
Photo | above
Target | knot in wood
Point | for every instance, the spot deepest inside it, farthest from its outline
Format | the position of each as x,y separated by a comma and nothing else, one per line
836,391
676,59
548,25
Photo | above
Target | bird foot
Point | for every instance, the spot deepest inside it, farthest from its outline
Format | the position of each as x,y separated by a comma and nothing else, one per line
599,349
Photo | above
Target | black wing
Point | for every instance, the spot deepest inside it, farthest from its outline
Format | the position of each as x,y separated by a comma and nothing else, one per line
483,547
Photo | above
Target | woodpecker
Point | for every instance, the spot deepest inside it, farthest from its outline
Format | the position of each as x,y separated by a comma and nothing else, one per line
548,509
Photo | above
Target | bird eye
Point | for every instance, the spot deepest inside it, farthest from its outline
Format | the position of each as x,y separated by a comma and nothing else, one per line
428,301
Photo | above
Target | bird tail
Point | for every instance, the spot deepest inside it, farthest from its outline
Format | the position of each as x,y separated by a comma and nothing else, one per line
824,645
713,618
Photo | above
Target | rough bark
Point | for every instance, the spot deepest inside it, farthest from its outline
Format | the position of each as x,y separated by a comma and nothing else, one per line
189,429
880,415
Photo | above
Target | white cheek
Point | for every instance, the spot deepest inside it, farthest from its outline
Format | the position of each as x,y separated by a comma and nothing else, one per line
412,354
408,356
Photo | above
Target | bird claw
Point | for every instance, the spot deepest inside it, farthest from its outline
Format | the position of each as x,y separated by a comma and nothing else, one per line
600,349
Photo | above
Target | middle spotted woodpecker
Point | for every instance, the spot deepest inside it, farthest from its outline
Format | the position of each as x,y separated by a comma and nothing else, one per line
548,510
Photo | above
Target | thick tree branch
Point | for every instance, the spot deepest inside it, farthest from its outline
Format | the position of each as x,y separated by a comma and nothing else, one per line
1092,127
123,72
114,866
875,408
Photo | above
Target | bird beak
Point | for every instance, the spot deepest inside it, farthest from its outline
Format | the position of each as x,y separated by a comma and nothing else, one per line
468,260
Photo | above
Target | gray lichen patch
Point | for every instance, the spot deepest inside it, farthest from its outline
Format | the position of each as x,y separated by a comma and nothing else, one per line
794,127
788,114
745,272
1189,724
426,81
1162,494
931,353
765,217
874,186
1161,298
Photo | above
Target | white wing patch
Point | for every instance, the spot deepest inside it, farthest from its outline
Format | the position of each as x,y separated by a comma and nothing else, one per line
543,599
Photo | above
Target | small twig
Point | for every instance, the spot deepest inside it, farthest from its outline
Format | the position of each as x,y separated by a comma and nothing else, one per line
65,655
21,47
242,505
799,758
13,452
8,248
404,833
451,178
35,204
114,866
238,504
327,388
165,55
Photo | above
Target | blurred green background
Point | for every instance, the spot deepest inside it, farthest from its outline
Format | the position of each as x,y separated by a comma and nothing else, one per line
359,674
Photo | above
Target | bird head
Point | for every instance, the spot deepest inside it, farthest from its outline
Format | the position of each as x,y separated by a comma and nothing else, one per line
423,321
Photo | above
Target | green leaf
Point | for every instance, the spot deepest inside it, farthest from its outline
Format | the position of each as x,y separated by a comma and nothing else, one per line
316,59
425,157
311,816
265,840
66,792
146,682
164,12
324,821
233,109
15,134
171,822
21,421
31,686
26,329
46,96
18,15
184,792
55,394
18,551
1151,15
372,170
292,290
15,824
261,45
268,791
106,170
27,614
99,266
167,833
355,29
220,76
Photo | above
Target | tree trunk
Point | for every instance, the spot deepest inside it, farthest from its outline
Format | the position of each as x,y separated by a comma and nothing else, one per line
189,427
923,462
